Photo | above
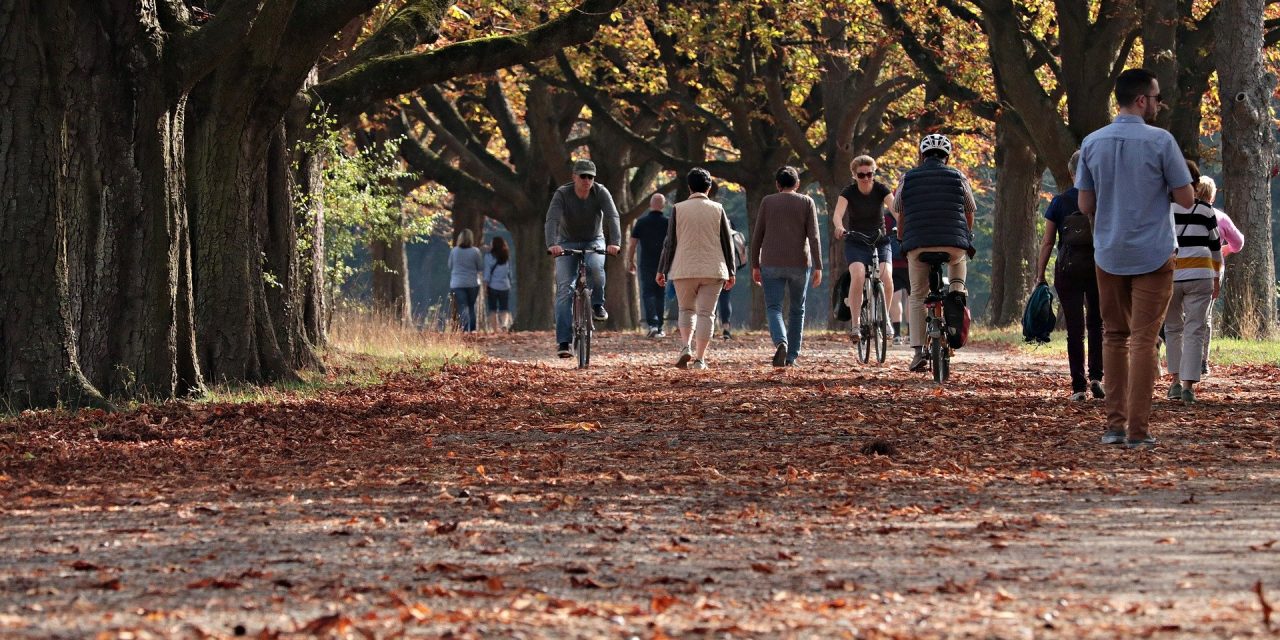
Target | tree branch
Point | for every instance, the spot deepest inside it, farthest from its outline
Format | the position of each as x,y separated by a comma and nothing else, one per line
195,52
387,77
495,101
417,22
601,110
432,167
926,62
448,124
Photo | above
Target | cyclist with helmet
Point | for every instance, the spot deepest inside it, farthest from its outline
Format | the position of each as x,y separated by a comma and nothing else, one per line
934,206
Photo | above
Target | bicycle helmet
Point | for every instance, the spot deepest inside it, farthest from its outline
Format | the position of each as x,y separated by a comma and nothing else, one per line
935,141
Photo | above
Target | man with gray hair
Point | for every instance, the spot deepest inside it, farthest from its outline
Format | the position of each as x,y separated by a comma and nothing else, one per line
647,235
581,216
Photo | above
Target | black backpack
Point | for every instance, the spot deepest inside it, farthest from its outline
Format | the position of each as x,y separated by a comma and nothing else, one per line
1038,319
1075,248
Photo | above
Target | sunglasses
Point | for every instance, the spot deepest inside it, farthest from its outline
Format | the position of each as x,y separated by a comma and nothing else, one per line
586,176
1157,97
867,174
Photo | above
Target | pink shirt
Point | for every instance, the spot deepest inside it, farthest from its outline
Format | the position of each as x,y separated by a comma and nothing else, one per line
1232,239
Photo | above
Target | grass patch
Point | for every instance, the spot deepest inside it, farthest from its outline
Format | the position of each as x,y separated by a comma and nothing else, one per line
1226,351
1223,351
363,349
1011,338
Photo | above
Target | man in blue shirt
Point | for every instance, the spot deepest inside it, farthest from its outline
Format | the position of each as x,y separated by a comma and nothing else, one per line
1127,172
647,236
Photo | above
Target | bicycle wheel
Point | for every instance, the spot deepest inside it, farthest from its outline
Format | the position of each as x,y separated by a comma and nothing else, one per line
864,339
935,356
582,328
880,331
946,363
584,349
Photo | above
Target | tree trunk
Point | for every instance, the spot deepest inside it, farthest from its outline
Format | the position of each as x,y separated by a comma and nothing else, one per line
1244,86
1014,246
38,360
535,294
835,252
227,181
755,193
309,176
286,280
111,203
1159,52
390,279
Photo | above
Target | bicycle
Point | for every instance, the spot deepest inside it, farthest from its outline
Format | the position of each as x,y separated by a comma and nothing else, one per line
936,344
583,319
873,325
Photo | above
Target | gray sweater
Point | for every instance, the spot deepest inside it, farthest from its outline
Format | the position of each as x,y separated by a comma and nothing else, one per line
464,267
574,219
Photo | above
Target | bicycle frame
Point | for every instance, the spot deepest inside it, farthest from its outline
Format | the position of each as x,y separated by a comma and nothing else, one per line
873,325
936,345
583,320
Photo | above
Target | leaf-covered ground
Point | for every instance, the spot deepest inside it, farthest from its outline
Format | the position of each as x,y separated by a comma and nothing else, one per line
519,497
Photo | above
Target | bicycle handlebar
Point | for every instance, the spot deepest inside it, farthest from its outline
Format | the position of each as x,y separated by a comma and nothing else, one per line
864,238
579,252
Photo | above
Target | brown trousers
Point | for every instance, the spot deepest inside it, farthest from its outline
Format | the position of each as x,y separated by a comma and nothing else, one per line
1133,309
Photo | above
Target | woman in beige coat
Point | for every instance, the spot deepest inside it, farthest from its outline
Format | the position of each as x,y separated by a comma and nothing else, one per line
697,257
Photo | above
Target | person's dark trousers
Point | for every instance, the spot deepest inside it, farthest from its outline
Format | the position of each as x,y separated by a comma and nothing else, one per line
725,308
653,297
465,300
1079,302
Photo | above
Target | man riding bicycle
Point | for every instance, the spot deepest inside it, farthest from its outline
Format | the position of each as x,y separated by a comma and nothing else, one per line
934,206
581,214
860,209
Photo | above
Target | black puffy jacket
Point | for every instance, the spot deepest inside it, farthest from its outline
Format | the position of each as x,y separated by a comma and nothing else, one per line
933,205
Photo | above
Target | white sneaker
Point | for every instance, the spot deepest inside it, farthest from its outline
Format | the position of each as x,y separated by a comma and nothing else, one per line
686,354
1079,396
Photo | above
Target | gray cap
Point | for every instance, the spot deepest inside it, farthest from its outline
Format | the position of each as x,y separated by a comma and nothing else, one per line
584,167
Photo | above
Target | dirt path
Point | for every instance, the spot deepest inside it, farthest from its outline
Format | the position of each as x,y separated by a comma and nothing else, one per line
522,498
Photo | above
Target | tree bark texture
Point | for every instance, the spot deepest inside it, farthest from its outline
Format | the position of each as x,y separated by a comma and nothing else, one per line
308,175
1178,49
38,362
115,204
1245,88
1014,249
535,273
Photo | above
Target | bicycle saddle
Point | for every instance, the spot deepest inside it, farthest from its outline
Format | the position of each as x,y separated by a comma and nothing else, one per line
934,257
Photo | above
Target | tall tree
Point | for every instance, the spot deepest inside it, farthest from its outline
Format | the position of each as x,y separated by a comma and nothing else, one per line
165,153
1178,47
848,102
509,163
1052,67
94,195
711,91
1245,89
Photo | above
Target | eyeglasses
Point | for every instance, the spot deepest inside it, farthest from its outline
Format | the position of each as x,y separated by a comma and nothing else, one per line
1156,97
586,176
866,174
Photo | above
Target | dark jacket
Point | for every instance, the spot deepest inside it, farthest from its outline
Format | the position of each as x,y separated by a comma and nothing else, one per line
934,198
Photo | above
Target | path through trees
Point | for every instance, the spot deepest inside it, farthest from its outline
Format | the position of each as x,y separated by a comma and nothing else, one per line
520,496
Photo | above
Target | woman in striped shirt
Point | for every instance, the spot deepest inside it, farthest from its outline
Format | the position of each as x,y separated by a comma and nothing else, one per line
1196,277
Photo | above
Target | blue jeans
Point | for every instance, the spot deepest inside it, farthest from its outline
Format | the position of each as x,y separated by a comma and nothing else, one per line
465,300
796,281
652,298
566,274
